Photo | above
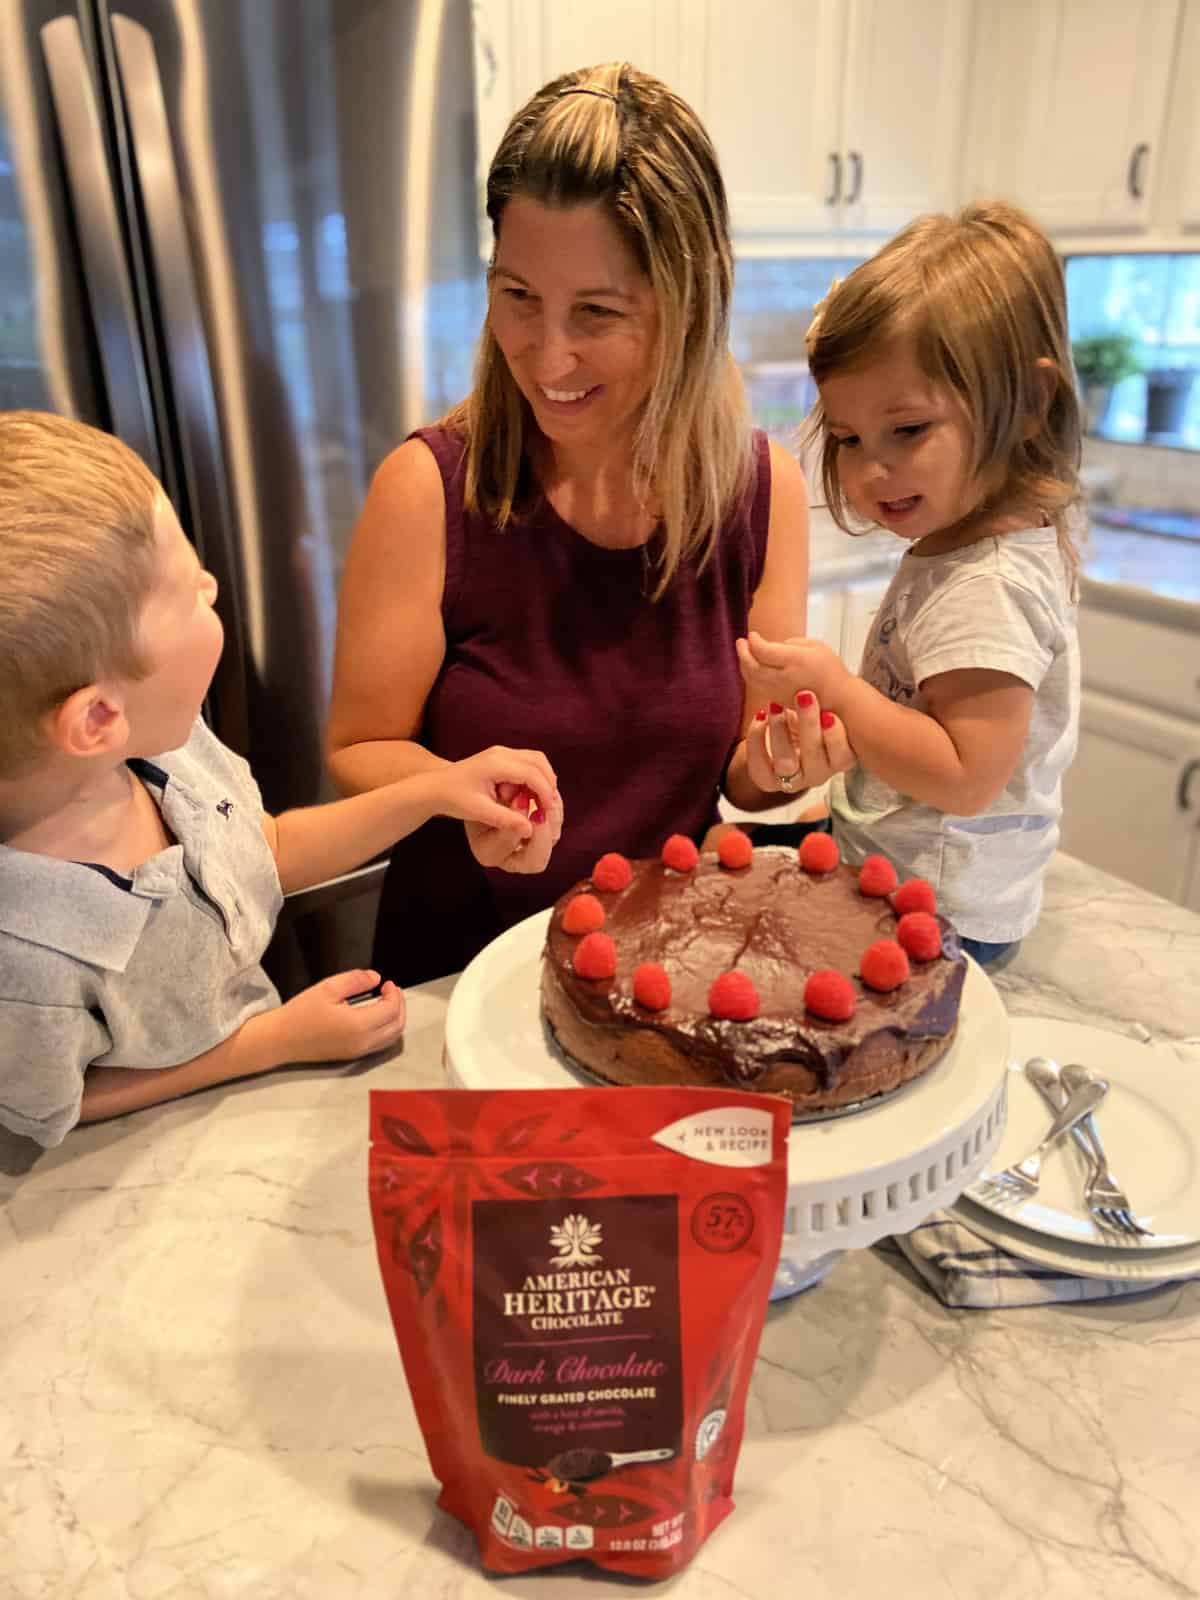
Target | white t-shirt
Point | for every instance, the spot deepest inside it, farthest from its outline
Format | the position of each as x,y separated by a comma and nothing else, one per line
1003,603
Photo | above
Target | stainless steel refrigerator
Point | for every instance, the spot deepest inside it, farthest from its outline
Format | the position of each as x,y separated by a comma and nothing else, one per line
242,235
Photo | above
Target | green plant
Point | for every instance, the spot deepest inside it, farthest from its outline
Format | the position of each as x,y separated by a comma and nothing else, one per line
1105,358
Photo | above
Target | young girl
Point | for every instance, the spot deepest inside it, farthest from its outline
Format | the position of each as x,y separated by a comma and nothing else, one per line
947,414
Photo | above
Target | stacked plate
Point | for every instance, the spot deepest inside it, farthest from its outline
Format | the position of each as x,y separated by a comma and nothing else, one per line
1150,1124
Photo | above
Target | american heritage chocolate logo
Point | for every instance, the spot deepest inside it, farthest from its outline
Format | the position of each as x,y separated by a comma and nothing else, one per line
578,1343
594,1297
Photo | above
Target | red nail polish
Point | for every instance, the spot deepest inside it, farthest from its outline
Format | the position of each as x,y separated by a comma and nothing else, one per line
827,719
804,699
539,815
776,708
760,716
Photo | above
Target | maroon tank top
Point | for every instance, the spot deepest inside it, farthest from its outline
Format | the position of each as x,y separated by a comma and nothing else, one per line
553,644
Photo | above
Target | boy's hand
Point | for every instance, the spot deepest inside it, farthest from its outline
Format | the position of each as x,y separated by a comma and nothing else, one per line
510,851
318,1024
777,672
472,790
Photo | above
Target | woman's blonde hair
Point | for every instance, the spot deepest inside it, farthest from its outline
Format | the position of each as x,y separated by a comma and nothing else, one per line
982,297
613,136
78,559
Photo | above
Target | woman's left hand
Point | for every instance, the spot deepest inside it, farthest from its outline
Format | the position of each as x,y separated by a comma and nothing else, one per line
796,748
493,847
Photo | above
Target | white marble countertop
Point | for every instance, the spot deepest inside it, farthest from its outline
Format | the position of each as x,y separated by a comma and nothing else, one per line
202,1396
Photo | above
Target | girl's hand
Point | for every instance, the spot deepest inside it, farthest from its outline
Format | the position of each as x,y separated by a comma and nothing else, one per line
528,850
318,1025
796,747
775,672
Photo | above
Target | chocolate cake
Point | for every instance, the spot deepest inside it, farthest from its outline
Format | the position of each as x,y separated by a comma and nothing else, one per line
777,924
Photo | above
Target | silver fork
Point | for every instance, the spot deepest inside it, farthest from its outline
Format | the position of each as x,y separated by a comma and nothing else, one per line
1020,1180
1104,1198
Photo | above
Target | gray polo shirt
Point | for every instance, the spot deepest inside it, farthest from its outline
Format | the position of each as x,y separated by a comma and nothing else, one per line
147,971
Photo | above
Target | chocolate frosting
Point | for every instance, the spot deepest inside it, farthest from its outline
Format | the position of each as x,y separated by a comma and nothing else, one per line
776,923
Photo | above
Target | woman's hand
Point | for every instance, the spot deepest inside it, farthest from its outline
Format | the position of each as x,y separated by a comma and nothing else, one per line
501,847
796,747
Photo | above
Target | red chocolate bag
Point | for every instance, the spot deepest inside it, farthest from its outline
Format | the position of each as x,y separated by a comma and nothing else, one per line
578,1280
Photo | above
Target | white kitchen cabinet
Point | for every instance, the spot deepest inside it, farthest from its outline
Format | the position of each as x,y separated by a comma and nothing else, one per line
522,44
1126,804
1068,107
830,117
834,116
1177,203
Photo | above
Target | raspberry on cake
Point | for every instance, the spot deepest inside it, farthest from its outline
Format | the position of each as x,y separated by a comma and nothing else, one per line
884,965
584,914
877,876
819,852
830,994
612,873
735,850
595,957
914,894
679,853
919,934
774,925
733,997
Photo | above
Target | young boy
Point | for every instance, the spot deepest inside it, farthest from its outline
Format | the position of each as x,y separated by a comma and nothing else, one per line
138,890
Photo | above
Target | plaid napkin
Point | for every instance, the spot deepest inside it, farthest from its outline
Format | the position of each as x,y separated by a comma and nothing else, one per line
964,1269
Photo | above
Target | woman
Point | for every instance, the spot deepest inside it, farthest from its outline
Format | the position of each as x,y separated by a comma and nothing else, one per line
567,559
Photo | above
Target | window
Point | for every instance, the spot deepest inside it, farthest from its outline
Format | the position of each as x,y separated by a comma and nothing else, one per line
1135,329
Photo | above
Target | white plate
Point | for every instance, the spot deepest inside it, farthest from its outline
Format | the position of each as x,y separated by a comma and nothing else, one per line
495,1038
1149,1122
1081,1260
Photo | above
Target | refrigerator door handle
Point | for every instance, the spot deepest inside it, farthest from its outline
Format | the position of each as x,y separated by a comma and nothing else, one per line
94,205
201,447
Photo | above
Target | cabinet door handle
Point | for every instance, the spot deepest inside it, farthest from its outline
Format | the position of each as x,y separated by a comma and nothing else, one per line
835,178
856,169
1182,795
1135,175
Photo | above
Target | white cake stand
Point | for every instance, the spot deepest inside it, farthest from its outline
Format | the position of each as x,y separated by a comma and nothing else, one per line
852,1177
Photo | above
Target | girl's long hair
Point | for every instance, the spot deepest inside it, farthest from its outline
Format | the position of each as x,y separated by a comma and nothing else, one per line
982,296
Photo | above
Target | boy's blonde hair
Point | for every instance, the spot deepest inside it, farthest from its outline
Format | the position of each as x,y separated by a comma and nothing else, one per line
78,559
613,136
982,296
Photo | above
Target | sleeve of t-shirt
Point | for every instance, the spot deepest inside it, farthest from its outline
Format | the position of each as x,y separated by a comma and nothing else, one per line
985,620
44,1052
